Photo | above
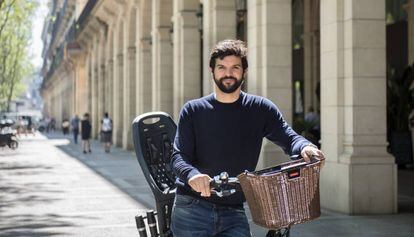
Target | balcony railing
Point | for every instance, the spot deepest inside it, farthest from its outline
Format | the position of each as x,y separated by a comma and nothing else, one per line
56,25
70,35
56,61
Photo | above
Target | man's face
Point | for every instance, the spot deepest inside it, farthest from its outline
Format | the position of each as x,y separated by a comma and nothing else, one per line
228,73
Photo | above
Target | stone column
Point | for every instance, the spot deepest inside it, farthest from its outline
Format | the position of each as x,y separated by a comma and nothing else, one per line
353,109
59,117
74,90
55,99
145,84
101,93
118,99
270,62
162,60
409,8
66,91
110,86
56,102
219,23
93,113
129,105
101,81
144,58
81,84
69,94
186,53
58,108
89,84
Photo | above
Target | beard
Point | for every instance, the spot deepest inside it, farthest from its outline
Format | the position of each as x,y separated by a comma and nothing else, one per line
228,87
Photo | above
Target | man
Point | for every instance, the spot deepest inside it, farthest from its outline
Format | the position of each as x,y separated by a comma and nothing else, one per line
223,132
86,129
75,128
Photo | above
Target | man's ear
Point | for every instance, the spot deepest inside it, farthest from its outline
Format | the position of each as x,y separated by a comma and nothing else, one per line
245,72
211,72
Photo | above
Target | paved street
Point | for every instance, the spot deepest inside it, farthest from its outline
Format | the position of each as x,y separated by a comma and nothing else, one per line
48,187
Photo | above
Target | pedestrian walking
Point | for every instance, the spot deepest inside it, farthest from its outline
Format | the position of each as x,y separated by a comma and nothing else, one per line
53,124
22,126
30,125
106,132
47,124
74,123
65,126
86,129
19,125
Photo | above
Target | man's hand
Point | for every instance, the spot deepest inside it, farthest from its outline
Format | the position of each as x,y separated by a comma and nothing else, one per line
308,151
200,183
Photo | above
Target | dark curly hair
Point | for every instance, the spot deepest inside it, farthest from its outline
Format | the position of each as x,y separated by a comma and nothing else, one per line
229,47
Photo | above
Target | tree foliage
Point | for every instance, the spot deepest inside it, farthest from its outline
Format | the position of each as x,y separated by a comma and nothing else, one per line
15,32
400,99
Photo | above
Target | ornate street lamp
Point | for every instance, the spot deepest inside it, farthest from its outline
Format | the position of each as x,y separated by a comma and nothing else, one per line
199,15
241,18
241,6
171,33
241,26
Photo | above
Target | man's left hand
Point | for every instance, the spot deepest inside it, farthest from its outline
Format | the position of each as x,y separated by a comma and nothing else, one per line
309,151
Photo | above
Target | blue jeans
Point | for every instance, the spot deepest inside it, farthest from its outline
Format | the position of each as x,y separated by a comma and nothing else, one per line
198,218
75,135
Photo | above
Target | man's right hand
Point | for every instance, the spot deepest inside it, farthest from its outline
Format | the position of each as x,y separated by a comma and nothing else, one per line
201,184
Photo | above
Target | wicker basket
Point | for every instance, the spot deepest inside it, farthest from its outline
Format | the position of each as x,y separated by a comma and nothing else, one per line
284,195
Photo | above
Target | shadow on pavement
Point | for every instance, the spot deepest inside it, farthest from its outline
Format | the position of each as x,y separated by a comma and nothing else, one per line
406,191
34,225
20,195
132,183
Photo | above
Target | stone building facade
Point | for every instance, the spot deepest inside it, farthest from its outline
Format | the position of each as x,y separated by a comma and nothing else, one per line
128,57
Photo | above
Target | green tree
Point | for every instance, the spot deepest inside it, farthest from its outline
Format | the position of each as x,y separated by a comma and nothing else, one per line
15,32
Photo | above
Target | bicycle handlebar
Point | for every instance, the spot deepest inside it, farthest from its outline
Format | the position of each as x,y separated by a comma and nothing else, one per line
222,185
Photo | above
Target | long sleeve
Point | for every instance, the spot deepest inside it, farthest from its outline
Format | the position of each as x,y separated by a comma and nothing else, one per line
184,147
279,132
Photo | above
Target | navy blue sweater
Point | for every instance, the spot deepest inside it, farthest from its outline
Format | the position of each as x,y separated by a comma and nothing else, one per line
213,137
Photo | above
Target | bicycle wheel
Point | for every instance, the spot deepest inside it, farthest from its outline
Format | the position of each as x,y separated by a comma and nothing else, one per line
13,145
279,233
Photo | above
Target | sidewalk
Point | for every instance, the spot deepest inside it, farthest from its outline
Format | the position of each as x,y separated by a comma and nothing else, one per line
330,224
66,192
